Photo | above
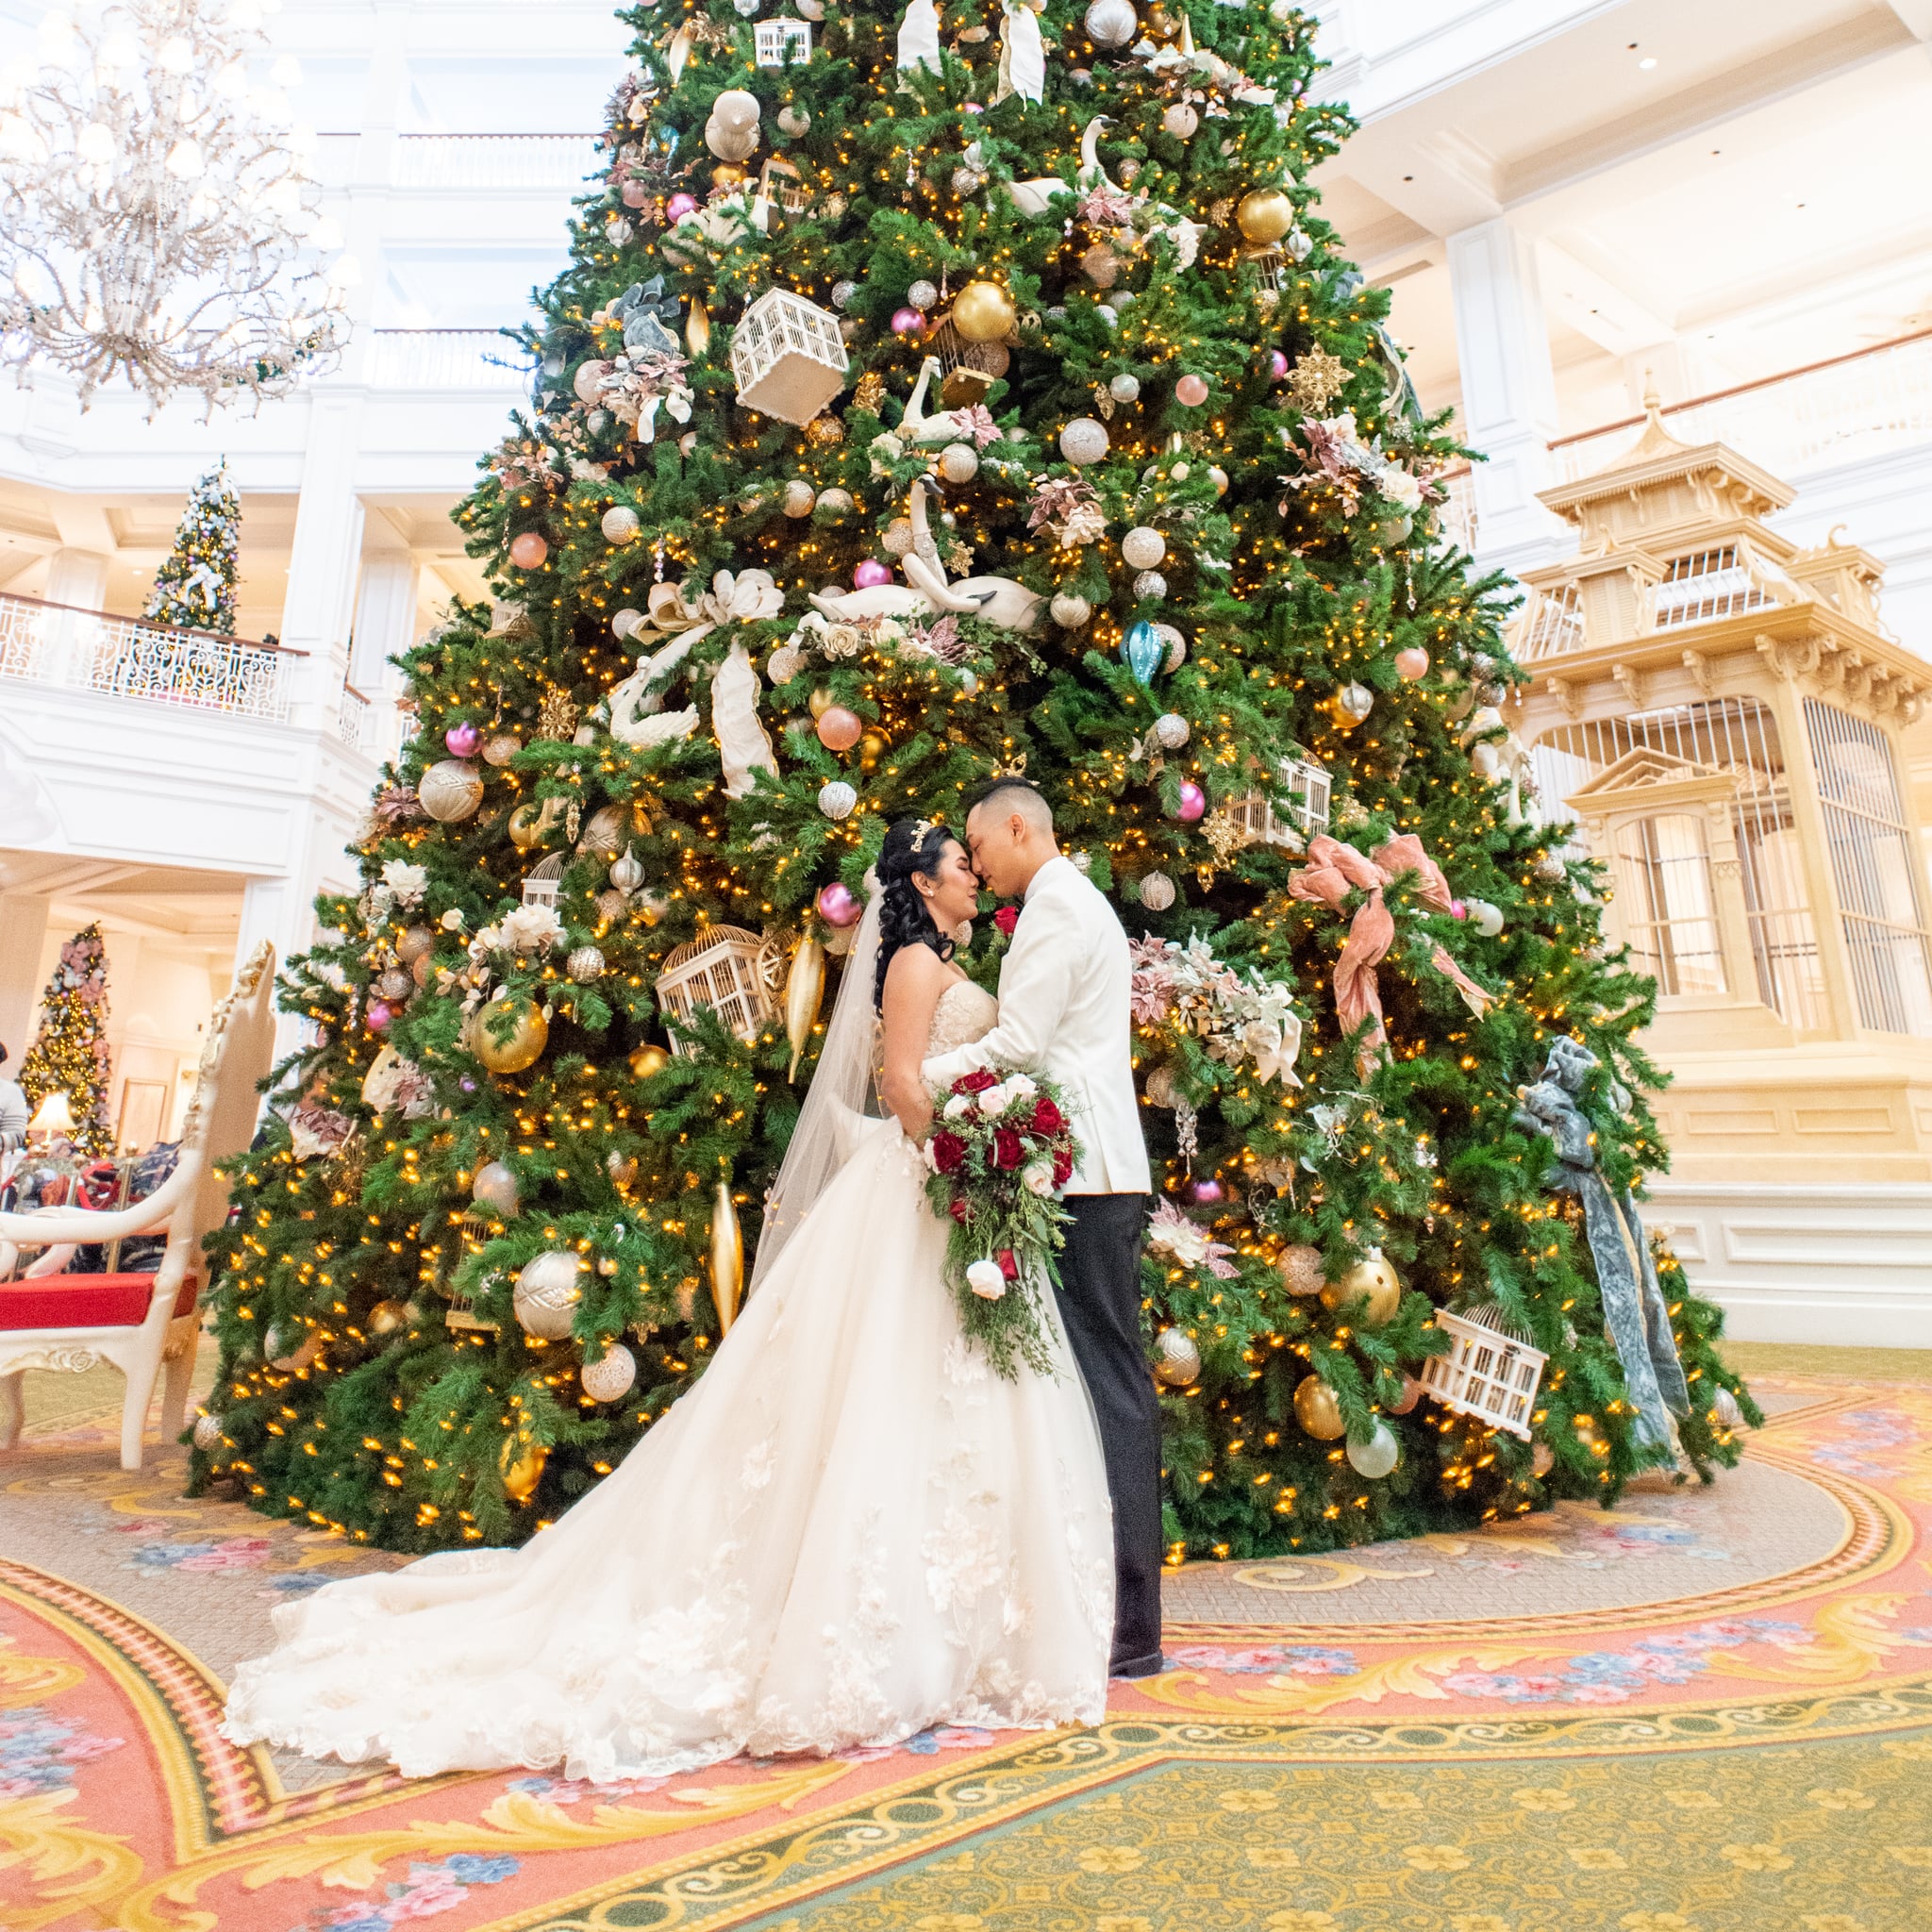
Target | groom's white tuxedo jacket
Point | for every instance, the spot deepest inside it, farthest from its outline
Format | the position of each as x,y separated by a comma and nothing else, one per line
1065,1011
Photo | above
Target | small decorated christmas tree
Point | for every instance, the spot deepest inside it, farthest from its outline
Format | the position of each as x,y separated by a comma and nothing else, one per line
195,587
70,1051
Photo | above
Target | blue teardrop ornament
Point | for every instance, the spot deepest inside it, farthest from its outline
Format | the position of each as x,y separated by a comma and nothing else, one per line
1144,649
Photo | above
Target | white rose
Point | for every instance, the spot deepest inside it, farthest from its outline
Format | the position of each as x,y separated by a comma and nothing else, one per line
994,1101
958,1106
1398,486
1038,1179
985,1279
1020,1088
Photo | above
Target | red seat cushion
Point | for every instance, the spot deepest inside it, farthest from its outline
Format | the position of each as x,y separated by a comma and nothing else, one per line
85,1301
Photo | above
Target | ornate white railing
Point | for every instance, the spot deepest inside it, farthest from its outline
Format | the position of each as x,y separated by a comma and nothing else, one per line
122,657
443,359
1845,410
355,721
1456,516
495,160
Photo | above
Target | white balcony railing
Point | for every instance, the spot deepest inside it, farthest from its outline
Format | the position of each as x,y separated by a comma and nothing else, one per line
495,160
1826,413
1457,517
355,722
444,358
88,650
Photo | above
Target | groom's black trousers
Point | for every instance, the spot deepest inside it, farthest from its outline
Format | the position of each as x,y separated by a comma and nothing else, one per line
1100,1304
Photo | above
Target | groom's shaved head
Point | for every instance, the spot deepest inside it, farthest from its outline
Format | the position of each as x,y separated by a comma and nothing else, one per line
1005,796
1009,830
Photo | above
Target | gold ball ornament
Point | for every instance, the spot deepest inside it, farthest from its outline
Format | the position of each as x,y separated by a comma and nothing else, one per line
503,747
728,174
824,431
1317,1410
526,827
1177,1359
522,1465
208,1433
647,1059
412,944
804,988
872,748
984,312
1373,1277
528,1036
1264,215
385,1318
727,1257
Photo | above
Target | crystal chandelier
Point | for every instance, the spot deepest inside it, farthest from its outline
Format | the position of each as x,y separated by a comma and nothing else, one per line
155,217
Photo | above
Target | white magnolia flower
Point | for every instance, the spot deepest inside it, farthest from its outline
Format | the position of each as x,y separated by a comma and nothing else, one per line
532,929
958,1106
994,1101
1039,1178
986,1279
405,882
1399,487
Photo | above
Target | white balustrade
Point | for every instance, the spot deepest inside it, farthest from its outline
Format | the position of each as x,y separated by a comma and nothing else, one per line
416,358
1845,410
495,160
355,721
122,657
1457,515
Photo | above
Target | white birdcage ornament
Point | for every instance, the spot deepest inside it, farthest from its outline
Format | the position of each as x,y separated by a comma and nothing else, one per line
1270,265
776,42
780,182
967,370
725,969
788,356
1290,823
1490,1373
545,881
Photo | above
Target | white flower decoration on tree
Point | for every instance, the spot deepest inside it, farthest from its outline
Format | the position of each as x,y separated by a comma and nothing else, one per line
531,929
406,882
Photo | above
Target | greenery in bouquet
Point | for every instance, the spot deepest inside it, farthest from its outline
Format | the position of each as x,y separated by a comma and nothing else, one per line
1000,1152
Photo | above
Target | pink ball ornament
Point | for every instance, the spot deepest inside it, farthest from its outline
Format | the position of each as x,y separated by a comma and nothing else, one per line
1207,1192
634,193
528,551
681,205
1191,390
837,907
1413,663
870,573
378,1014
1277,364
1457,909
462,740
1193,802
1411,1394
907,321
839,729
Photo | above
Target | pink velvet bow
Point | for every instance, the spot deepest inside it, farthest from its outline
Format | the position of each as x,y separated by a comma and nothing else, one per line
1334,870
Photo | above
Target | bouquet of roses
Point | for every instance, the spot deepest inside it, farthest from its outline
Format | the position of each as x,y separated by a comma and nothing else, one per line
1000,1153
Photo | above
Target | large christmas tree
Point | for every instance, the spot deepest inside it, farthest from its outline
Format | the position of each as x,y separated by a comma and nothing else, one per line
963,394
69,1053
195,585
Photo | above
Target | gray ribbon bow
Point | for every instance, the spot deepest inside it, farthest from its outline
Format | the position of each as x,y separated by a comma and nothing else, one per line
1634,1305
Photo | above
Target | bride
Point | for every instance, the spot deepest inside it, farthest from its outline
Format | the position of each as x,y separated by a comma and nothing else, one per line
849,1530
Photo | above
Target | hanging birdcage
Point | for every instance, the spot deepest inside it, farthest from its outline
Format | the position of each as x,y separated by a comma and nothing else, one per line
545,881
776,42
725,970
779,181
788,356
1490,1372
1270,265
1292,822
967,370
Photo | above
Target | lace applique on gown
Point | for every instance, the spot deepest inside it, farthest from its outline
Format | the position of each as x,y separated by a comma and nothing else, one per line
849,1530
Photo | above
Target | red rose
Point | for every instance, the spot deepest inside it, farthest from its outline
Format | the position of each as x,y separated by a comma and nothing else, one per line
1047,1117
948,1151
1062,1168
1007,917
1009,1267
1007,1150
976,1083
956,1208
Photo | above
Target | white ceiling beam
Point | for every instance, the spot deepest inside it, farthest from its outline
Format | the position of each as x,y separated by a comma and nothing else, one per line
83,523
1595,308
1917,15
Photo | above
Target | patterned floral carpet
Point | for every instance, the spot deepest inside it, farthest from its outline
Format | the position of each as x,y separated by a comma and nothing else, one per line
1710,1711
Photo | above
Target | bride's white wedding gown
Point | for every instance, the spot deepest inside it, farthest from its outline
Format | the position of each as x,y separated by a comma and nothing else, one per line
850,1529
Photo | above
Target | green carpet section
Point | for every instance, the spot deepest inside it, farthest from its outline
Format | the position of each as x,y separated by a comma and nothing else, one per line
1797,1359
1804,1838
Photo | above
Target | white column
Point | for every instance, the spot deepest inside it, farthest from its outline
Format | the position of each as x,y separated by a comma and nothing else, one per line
22,935
385,629
1508,392
77,577
278,911
322,557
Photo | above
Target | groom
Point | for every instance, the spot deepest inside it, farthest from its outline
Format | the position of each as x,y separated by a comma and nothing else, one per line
1064,1013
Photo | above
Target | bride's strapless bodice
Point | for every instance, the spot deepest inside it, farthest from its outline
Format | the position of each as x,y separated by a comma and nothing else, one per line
965,1011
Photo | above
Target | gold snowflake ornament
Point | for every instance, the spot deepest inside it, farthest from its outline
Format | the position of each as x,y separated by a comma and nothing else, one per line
1315,381
558,718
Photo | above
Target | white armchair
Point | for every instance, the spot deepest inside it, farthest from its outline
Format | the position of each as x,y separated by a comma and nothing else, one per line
141,1321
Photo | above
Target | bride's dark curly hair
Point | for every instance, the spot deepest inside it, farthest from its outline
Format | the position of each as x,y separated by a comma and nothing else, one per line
912,846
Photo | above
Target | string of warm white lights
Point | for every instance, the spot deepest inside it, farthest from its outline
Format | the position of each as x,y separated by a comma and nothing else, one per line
156,220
